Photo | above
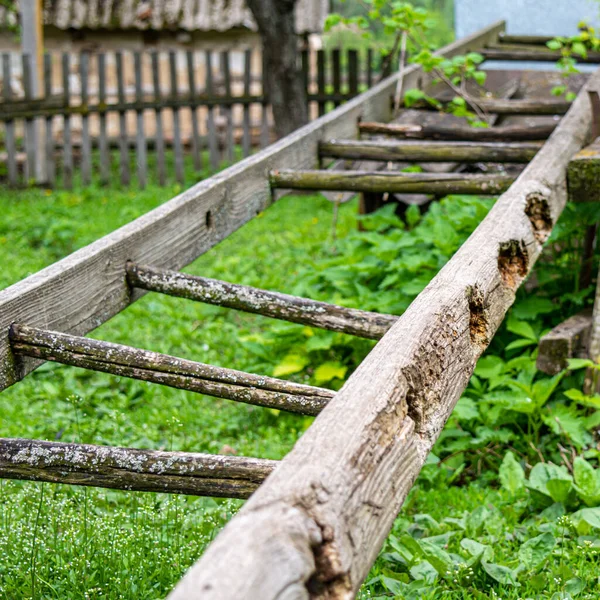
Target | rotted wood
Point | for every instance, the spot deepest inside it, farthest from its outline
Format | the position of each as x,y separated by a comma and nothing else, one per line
583,174
525,106
569,339
507,133
388,181
416,151
168,370
263,302
533,55
131,469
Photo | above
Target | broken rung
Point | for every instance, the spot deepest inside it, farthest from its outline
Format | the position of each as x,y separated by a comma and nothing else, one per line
263,302
502,106
503,133
415,151
388,181
131,469
541,55
168,370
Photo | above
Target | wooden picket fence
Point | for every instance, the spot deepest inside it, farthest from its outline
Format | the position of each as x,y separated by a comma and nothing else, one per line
140,103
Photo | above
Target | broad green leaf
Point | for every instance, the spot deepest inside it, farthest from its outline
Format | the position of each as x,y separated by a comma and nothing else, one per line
330,370
559,490
579,363
585,476
425,571
476,520
565,420
554,45
292,363
543,389
522,343
439,559
542,473
536,550
512,476
574,586
522,328
477,550
500,573
466,409
586,519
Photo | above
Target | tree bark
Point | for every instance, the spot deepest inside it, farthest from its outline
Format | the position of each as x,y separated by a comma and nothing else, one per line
283,77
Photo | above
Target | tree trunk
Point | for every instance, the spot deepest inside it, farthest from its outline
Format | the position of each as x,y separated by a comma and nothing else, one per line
285,90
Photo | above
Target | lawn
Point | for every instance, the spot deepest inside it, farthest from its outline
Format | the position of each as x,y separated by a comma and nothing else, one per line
480,523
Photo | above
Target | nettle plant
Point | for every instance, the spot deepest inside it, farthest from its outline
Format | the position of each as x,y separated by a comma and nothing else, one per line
409,27
579,45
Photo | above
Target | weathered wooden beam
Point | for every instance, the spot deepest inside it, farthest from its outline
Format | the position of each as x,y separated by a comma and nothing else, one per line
131,469
86,289
416,151
361,323
510,38
390,181
541,55
502,133
316,526
583,174
168,370
569,339
525,106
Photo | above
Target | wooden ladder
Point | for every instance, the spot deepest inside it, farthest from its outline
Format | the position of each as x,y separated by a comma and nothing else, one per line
314,528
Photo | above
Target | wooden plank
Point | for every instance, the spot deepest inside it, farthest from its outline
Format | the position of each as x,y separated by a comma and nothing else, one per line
246,137
569,339
390,181
508,38
31,145
103,138
321,83
78,293
179,373
210,119
67,140
336,74
534,55
160,141
11,146
131,469
225,70
522,106
196,146
316,525
49,138
262,302
353,72
502,133
140,138
426,151
86,146
123,147
177,146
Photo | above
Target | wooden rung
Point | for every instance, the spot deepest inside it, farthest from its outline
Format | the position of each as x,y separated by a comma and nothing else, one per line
569,339
360,323
388,181
131,469
541,55
168,370
508,38
526,106
415,151
503,133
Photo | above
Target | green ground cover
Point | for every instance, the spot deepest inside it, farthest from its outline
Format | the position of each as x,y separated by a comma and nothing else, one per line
480,523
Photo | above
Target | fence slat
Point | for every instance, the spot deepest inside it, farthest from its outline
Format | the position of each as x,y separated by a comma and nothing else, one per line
336,74
86,146
246,138
264,126
50,165
160,141
196,145
210,119
123,145
30,132
352,72
11,147
227,111
179,174
103,138
140,138
67,142
369,68
321,80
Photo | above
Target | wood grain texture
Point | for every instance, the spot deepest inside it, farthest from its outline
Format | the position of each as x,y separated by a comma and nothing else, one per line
314,528
415,151
132,469
171,371
78,293
389,181
361,323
